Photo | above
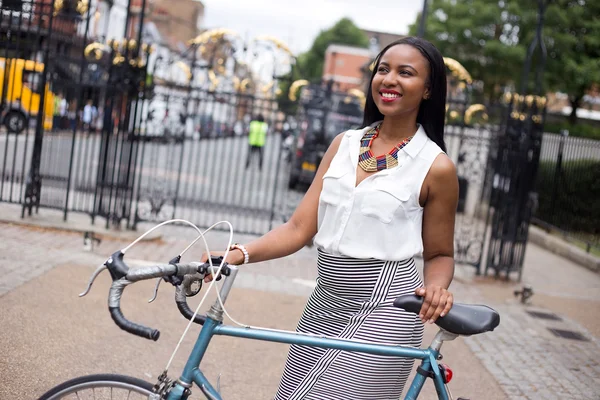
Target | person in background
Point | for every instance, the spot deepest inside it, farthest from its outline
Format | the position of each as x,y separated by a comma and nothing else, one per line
72,115
256,139
89,116
56,118
63,113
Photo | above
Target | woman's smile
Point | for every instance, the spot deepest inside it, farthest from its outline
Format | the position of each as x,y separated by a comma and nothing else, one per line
388,96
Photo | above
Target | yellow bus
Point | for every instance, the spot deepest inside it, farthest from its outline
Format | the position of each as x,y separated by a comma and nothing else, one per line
20,92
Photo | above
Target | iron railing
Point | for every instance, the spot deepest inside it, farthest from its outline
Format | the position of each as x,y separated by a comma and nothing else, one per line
568,187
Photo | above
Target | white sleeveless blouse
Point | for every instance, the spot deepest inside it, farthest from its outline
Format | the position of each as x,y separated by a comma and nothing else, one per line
381,217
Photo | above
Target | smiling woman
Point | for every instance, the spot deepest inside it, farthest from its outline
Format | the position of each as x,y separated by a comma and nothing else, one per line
382,195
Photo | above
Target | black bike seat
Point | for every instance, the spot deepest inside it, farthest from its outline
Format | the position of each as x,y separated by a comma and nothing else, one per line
463,319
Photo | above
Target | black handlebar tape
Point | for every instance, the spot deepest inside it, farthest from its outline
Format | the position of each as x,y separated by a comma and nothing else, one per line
187,312
128,326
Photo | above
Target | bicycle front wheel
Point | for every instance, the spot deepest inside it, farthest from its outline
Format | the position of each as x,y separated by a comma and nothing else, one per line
100,387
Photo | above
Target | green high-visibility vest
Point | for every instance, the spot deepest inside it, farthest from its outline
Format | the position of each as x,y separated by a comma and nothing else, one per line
56,111
258,133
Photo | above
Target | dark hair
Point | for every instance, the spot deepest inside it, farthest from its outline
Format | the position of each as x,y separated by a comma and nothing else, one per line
432,112
260,118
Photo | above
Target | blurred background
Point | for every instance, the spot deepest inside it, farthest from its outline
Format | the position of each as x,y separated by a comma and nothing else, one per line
136,111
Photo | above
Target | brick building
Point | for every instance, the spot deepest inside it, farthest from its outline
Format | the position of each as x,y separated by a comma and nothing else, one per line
348,67
343,66
177,20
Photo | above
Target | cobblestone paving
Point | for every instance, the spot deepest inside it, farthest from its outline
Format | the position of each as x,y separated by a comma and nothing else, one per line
528,361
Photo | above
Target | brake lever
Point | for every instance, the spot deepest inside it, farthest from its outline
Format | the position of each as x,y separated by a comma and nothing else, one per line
91,281
173,261
158,280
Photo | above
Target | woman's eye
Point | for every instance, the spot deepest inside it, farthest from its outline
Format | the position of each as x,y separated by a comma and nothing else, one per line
382,69
405,73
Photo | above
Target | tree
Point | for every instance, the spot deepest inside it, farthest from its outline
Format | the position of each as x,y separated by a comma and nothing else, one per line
573,42
483,35
309,65
343,32
491,41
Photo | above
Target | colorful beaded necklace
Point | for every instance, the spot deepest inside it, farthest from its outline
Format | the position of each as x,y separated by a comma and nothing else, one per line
371,163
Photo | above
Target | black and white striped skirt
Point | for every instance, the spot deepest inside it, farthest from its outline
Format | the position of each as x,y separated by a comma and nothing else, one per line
353,299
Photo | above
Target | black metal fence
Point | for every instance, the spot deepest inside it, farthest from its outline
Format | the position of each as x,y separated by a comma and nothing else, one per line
195,161
568,187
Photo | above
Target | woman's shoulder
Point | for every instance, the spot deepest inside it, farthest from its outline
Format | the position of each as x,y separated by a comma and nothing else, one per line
443,168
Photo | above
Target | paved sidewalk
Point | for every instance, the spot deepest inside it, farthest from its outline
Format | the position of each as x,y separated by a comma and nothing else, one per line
528,360
522,359
78,337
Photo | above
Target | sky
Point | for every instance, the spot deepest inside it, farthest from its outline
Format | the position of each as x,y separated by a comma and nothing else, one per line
298,22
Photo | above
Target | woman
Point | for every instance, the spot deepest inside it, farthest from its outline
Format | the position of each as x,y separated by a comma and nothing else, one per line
369,217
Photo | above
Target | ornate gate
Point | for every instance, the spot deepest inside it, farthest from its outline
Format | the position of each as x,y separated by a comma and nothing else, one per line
69,108
515,164
195,162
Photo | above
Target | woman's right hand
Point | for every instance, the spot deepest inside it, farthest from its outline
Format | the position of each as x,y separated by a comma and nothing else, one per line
234,257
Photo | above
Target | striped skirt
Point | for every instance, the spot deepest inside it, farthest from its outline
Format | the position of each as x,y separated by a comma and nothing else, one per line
353,299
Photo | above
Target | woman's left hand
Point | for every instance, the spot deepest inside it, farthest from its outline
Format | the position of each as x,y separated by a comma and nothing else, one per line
436,303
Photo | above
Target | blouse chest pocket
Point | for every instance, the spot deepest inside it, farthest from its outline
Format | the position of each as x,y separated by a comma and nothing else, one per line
382,202
331,192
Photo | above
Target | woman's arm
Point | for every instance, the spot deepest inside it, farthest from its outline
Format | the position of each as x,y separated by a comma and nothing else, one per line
302,226
440,190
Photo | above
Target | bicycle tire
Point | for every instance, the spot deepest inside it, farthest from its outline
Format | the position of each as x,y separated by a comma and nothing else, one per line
88,384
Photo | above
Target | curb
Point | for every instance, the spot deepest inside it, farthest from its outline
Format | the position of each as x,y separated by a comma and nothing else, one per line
51,219
564,249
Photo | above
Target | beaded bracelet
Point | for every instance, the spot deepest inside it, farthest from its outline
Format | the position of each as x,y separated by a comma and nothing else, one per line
243,250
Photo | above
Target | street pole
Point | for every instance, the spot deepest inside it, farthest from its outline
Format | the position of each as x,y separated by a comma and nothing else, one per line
421,32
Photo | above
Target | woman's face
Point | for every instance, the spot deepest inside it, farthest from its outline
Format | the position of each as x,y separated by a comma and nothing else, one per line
401,81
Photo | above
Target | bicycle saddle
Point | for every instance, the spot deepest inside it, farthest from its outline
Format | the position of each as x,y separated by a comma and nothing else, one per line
463,319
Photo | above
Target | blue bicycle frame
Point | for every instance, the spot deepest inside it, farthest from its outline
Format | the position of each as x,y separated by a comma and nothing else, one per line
214,326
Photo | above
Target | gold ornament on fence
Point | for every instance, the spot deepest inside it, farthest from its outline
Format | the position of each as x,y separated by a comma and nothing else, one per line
541,101
278,43
458,70
267,87
358,94
119,59
211,35
475,108
186,69
244,84
132,45
292,93
94,50
82,6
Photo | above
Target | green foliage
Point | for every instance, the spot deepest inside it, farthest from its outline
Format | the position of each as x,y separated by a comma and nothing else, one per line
343,32
573,41
580,130
573,205
483,37
309,65
491,38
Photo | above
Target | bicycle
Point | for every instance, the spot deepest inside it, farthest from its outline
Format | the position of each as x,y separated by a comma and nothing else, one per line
187,278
